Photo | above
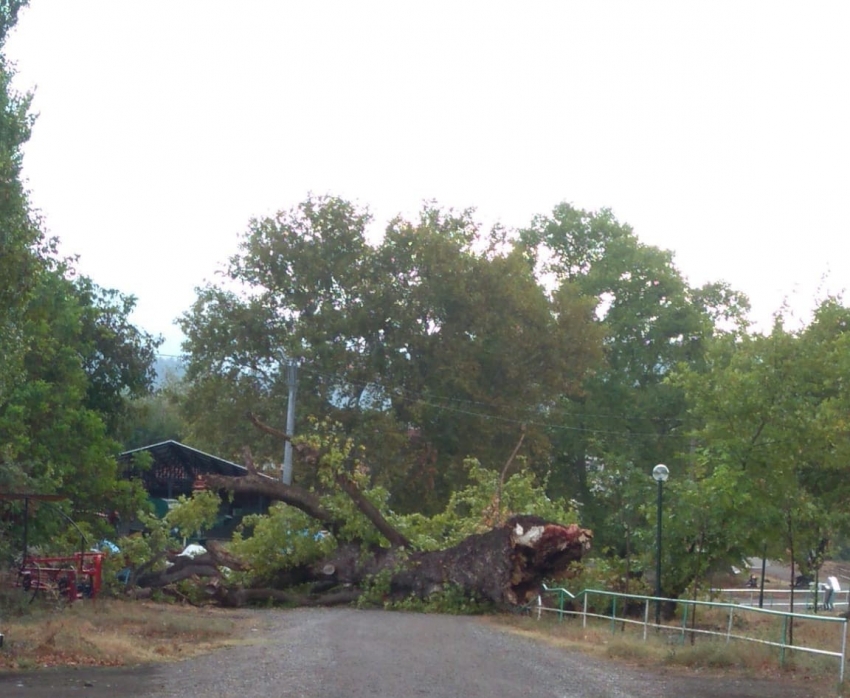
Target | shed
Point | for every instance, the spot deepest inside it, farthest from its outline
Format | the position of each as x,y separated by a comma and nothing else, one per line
173,471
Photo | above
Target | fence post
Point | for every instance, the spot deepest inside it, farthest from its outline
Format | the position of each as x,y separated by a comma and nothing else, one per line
685,622
782,644
729,625
584,615
645,619
843,650
613,614
560,604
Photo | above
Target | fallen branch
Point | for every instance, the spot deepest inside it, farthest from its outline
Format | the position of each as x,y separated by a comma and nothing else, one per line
236,598
256,483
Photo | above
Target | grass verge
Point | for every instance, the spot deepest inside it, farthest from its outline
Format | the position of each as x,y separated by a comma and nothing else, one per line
707,655
114,633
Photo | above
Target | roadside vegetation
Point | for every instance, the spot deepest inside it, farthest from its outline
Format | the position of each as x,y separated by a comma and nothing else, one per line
705,656
111,632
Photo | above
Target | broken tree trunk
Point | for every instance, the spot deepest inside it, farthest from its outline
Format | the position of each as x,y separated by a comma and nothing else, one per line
506,565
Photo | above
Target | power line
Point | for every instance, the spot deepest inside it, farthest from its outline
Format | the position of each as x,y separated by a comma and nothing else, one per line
399,392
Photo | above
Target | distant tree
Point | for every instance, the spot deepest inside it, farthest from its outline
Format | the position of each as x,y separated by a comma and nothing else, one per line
156,418
80,367
117,357
168,369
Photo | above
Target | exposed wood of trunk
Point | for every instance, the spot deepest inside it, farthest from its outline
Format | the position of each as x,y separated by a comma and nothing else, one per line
505,565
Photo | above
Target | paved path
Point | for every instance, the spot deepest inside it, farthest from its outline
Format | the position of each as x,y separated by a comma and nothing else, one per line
344,653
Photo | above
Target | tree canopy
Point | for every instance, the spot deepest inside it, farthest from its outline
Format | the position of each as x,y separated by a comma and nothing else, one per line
70,359
433,344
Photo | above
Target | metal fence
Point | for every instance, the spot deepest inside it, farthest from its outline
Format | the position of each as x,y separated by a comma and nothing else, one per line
808,599
592,603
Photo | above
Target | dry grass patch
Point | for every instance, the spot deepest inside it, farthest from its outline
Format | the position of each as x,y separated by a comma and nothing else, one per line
114,633
706,654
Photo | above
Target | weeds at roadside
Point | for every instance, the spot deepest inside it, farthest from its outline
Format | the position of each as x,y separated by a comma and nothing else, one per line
113,633
706,654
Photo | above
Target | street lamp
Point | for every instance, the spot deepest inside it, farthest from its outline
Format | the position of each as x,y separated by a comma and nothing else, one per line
660,473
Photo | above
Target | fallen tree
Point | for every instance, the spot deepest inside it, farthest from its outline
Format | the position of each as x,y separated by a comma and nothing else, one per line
505,565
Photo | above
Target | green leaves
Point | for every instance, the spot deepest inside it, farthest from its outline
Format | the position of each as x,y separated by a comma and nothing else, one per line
194,514
477,507
771,418
435,340
69,358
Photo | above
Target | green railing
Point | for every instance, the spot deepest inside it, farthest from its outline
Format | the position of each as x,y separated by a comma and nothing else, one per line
609,601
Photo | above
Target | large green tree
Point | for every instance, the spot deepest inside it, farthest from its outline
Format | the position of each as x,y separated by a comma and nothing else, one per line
82,364
769,415
69,357
21,241
434,344
628,417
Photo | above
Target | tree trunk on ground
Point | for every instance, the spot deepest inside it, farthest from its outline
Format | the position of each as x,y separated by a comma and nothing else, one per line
506,565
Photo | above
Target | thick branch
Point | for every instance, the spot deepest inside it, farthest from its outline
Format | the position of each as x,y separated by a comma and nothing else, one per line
277,491
369,510
223,558
504,473
302,449
182,567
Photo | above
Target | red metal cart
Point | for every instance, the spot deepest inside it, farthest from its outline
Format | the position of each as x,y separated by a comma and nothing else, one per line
65,578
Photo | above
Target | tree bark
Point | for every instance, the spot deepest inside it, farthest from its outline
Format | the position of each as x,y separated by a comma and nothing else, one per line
505,566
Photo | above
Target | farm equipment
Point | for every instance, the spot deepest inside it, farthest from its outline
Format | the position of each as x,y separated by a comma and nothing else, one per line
63,578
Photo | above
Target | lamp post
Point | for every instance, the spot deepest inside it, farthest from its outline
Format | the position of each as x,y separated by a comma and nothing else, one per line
660,473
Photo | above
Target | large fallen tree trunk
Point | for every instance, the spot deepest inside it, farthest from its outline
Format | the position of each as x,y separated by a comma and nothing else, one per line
506,565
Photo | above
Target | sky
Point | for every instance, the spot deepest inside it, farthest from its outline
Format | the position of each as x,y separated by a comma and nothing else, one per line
718,130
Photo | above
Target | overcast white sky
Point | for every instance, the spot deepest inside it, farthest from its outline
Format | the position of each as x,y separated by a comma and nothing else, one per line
719,130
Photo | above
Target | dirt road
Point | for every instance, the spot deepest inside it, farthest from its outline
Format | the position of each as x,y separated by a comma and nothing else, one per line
359,654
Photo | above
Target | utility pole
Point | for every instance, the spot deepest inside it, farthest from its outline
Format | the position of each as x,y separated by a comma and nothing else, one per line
292,383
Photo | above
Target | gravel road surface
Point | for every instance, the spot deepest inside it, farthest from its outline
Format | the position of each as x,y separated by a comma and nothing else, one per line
345,653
